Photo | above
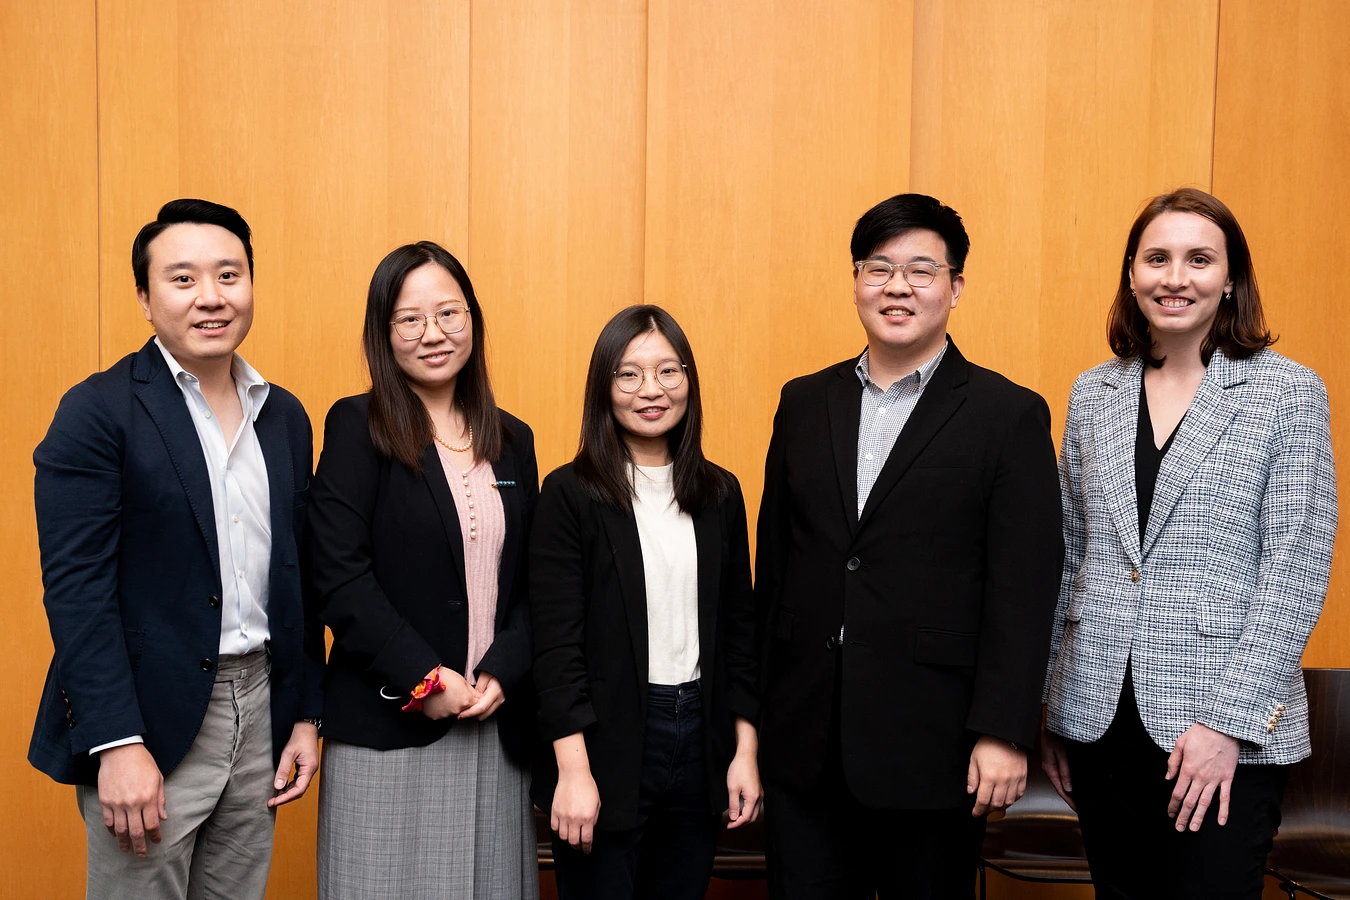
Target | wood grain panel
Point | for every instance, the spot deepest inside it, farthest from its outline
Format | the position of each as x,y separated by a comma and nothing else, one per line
771,128
556,204
1282,126
1047,125
48,245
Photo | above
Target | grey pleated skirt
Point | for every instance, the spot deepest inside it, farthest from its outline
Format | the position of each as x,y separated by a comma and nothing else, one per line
450,821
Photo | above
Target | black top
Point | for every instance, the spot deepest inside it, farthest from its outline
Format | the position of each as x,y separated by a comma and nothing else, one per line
1148,457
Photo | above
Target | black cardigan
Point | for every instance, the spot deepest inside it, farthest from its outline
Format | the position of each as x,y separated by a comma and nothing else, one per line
589,608
387,572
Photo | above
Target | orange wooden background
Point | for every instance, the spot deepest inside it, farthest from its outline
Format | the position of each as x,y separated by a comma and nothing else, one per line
581,155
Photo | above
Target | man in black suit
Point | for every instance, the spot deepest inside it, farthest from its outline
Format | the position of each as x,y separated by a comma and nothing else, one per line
909,558
170,493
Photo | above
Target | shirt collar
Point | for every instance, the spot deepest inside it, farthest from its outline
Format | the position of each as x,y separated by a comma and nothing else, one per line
255,388
920,375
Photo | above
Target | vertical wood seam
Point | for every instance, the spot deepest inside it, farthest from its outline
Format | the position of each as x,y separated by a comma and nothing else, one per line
1214,94
98,201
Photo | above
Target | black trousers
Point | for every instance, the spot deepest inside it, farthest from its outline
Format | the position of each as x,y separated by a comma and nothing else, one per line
669,855
823,844
1133,847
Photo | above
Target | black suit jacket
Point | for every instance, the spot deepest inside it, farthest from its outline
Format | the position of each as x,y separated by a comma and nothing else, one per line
388,574
131,573
588,600
944,587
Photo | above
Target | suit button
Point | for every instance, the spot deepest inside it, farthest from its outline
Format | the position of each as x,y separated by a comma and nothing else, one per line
214,601
831,643
1134,575
852,564
207,665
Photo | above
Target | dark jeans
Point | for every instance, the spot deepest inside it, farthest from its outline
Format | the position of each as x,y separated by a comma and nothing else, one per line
1133,847
669,855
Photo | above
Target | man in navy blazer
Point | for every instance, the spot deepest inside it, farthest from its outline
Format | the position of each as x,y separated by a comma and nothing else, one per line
170,495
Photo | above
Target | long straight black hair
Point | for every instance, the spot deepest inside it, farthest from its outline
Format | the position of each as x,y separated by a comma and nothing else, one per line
400,426
603,460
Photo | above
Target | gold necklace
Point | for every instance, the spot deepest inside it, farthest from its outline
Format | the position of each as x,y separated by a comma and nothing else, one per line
469,446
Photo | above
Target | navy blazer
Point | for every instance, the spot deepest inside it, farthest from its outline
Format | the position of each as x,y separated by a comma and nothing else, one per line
131,573
388,575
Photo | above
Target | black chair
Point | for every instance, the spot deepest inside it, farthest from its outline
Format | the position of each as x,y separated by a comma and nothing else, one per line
1037,839
1312,847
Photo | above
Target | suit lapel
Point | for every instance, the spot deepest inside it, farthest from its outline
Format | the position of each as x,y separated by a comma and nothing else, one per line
1115,426
941,399
708,543
276,451
844,405
434,473
513,510
168,409
621,528
1208,417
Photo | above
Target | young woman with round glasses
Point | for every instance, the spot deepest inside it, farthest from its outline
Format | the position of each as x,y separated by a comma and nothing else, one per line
644,630
419,514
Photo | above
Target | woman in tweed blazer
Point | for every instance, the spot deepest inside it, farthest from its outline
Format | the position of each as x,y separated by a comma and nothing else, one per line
1199,513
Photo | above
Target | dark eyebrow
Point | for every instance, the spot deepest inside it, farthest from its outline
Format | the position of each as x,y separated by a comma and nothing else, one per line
913,259
220,264
1205,249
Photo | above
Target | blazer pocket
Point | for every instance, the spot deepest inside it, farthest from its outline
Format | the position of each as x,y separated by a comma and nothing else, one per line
300,497
1217,617
935,647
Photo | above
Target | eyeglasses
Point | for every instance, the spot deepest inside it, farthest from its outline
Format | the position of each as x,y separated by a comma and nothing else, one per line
451,320
668,374
876,272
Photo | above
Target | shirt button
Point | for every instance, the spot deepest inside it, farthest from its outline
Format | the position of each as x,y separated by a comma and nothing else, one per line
236,519
207,413
207,665
869,456
852,564
240,573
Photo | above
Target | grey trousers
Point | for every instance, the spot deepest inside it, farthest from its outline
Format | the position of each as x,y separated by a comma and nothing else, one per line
217,841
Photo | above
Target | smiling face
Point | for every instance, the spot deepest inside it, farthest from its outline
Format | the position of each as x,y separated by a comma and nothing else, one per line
1179,276
199,295
432,362
907,325
647,415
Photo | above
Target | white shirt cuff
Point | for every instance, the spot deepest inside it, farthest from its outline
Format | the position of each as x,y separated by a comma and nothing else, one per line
134,739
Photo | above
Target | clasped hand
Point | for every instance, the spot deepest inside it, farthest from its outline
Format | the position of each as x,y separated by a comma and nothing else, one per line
463,700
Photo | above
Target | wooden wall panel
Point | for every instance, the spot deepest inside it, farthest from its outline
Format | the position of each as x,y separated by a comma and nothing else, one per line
1047,125
1282,129
48,249
771,127
557,158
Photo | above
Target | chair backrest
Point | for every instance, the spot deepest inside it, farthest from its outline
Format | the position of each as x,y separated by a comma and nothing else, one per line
1313,843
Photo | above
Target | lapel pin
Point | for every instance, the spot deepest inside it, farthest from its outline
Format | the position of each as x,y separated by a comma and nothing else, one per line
503,484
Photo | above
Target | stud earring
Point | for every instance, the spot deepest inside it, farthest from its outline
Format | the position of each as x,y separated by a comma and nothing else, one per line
1227,295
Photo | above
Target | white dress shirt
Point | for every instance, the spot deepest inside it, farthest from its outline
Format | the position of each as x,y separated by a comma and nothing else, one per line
670,568
242,506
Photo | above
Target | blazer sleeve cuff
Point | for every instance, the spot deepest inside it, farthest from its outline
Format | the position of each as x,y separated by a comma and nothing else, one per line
562,711
744,704
405,659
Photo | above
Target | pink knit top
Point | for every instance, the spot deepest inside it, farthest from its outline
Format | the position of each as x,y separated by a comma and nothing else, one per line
483,526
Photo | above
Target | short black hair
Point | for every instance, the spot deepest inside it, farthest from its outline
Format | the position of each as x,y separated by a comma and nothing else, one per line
907,212
186,211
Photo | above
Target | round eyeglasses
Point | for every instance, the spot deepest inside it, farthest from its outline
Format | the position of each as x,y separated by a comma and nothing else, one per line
668,374
411,326
877,272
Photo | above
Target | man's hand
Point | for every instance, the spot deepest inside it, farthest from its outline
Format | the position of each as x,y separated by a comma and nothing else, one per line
131,792
997,774
745,795
457,697
1202,761
301,753
490,698
576,800
1055,762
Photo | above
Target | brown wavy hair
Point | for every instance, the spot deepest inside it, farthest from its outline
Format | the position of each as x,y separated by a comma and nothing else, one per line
1239,327
400,426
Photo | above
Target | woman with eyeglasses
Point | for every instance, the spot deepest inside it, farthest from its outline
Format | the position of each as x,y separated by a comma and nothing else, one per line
418,518
1199,499
644,630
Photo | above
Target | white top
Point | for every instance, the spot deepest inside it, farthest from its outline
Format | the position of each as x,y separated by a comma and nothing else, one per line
670,566
242,507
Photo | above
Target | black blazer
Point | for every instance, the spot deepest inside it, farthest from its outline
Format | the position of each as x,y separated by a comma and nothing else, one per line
588,600
131,572
945,586
388,574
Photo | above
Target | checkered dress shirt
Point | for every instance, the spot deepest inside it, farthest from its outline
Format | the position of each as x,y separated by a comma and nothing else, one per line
883,417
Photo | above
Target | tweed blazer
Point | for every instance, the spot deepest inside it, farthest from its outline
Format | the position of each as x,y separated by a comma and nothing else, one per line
1213,608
